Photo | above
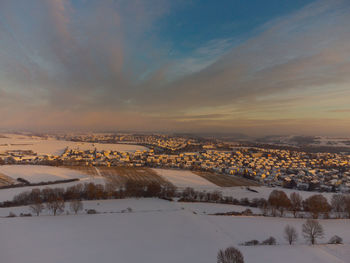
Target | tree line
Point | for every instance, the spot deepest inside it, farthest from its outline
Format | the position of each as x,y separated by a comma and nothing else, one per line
311,231
277,204
91,191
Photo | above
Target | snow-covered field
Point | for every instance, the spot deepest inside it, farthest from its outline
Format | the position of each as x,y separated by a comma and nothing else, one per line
56,147
157,231
180,178
183,178
41,173
264,192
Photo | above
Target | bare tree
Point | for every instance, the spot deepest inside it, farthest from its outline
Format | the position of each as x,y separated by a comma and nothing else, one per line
76,206
37,207
290,234
296,203
169,190
312,230
347,205
338,204
55,205
230,255
263,205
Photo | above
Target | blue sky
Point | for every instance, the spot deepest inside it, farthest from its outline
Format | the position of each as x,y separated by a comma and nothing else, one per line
257,67
196,22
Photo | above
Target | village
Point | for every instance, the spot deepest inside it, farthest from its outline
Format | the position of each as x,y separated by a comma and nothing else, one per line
323,172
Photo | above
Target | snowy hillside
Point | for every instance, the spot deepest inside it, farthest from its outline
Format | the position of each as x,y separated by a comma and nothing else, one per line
41,146
40,173
183,178
157,231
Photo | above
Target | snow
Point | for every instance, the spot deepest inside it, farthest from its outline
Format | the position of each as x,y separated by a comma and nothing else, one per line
264,192
157,231
184,178
41,173
210,208
56,147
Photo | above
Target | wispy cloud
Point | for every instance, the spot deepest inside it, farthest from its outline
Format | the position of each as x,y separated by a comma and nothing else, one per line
104,62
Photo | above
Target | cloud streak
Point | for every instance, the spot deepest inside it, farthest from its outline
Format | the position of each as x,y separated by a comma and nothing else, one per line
103,65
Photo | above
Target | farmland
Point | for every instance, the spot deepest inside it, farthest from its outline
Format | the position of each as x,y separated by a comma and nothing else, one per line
6,180
39,173
223,180
119,175
50,146
183,179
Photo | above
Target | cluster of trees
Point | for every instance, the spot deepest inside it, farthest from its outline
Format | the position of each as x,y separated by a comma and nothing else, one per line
315,205
311,230
279,203
55,206
54,198
269,241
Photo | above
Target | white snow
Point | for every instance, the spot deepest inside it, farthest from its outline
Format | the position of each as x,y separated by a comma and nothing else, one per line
184,178
56,147
41,173
157,231
264,192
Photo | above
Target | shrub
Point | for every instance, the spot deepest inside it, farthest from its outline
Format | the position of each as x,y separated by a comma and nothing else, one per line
253,242
25,215
335,240
11,214
271,241
230,255
247,212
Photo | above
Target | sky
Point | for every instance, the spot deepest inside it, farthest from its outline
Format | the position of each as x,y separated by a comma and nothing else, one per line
229,66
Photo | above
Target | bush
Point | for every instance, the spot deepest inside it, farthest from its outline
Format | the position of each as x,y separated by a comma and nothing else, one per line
25,215
247,212
11,214
253,242
271,241
335,240
230,255
91,212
